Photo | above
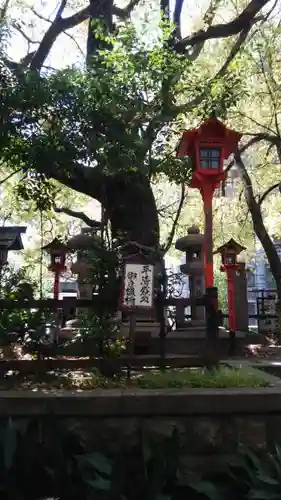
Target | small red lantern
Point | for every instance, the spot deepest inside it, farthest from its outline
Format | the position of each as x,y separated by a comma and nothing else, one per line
229,253
208,147
57,251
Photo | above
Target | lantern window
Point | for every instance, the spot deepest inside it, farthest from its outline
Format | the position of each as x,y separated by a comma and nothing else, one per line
230,260
209,158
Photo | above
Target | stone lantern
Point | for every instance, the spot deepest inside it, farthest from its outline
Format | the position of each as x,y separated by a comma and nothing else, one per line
83,244
192,245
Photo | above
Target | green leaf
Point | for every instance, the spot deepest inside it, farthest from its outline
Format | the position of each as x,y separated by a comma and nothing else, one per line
264,495
208,489
278,452
98,461
99,484
252,458
268,480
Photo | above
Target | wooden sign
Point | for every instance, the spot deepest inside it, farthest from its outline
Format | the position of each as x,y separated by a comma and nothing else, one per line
137,291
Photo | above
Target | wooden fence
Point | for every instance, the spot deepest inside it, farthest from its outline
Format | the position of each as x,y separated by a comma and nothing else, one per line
210,356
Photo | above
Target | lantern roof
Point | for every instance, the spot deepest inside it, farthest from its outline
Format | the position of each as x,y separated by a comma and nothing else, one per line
10,237
230,246
211,131
193,238
55,244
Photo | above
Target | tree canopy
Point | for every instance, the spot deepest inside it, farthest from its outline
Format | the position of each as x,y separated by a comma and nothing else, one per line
108,127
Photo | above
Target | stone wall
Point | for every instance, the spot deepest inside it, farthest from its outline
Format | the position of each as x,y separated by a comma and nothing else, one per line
210,423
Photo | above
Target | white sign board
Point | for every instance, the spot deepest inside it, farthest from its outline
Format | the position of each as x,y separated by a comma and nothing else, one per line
138,286
268,324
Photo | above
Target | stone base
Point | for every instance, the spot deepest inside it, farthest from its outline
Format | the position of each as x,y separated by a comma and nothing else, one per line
193,323
194,342
142,327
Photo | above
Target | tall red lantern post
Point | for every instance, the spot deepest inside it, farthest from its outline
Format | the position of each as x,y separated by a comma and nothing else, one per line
229,253
208,147
57,251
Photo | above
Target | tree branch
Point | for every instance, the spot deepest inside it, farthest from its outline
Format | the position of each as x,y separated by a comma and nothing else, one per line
126,11
254,140
86,180
59,25
259,227
40,16
242,22
25,61
234,50
9,176
61,8
3,10
268,191
78,215
17,27
207,20
75,42
54,30
176,19
176,220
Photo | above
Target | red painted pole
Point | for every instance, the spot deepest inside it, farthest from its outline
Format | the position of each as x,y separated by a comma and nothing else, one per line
207,192
230,298
56,284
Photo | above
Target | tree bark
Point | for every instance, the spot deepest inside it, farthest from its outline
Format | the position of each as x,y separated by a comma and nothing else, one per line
258,224
130,205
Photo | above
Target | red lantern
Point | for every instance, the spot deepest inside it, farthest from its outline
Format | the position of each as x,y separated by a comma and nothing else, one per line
229,253
57,251
208,147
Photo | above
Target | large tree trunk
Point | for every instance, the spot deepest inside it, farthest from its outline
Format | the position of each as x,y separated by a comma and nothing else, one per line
258,224
130,205
127,197
261,232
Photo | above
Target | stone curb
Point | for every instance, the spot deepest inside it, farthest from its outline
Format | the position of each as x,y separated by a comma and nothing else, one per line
140,403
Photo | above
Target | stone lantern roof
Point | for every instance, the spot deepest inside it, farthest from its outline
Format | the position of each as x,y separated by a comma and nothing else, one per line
83,242
193,238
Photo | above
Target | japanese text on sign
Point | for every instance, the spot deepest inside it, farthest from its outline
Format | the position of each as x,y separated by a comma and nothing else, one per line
138,285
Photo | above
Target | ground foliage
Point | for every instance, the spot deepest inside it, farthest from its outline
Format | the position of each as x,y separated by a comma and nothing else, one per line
52,460
81,380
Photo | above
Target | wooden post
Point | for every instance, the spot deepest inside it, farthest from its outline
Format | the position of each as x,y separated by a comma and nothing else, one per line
162,332
232,343
212,328
132,333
